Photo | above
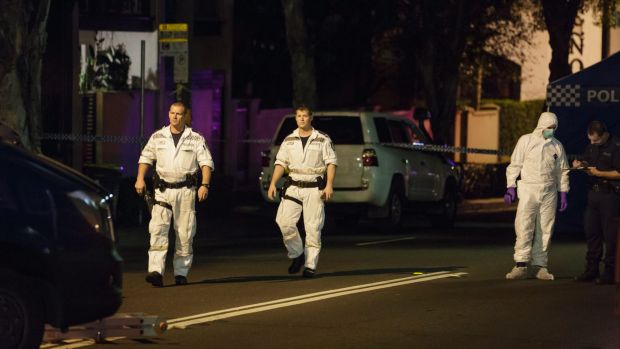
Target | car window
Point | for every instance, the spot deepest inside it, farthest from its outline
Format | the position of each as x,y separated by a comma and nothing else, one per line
288,125
383,132
416,135
341,129
399,131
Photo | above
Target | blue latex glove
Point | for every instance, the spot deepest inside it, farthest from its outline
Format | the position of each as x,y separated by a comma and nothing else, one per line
510,196
563,201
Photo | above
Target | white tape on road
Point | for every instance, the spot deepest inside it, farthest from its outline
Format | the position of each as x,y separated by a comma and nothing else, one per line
183,322
379,242
312,297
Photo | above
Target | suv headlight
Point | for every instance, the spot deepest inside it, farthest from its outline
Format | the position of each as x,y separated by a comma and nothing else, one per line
95,210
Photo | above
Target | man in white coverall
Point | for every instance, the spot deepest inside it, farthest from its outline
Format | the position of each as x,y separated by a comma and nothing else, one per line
309,156
541,161
179,152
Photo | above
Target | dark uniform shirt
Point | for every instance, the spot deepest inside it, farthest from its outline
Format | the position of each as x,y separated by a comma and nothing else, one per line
605,157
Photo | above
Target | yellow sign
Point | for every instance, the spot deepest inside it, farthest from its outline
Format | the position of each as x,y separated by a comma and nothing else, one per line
173,27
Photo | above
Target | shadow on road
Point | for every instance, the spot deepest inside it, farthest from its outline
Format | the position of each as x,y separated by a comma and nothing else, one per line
285,278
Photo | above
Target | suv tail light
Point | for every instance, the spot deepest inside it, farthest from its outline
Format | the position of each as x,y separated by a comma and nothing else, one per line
265,158
369,158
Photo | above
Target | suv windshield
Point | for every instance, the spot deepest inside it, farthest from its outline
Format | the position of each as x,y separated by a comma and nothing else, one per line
342,130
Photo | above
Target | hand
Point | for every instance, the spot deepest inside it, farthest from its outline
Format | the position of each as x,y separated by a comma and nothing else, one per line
328,193
203,192
563,201
510,196
592,171
140,186
576,163
271,192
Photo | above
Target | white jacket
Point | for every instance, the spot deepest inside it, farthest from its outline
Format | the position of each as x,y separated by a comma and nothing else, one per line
305,164
173,163
539,160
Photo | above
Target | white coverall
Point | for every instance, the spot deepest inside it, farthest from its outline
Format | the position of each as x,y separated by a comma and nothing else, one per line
304,165
172,165
544,169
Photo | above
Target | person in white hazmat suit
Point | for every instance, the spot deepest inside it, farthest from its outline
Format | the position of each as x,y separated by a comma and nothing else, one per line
179,153
541,162
311,161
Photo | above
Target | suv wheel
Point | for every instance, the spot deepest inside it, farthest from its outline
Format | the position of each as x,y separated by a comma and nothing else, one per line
21,323
395,207
447,213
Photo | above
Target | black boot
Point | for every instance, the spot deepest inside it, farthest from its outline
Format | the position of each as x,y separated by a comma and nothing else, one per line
296,264
155,279
589,275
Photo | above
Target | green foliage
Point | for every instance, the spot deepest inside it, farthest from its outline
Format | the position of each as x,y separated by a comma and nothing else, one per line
106,69
483,180
516,119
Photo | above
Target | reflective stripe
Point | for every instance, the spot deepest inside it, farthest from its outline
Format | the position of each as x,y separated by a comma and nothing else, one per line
310,171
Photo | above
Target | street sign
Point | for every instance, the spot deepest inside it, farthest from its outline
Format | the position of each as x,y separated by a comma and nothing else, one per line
180,68
173,42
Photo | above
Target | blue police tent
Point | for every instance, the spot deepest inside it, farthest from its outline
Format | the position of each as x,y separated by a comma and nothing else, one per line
591,94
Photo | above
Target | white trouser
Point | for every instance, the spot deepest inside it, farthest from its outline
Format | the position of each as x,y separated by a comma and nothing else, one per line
534,222
184,213
314,217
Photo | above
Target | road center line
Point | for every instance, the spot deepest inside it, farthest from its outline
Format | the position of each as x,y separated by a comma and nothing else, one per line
309,295
384,241
313,297
183,322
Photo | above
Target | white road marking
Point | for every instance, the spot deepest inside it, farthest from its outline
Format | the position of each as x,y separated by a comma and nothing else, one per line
183,322
312,297
384,241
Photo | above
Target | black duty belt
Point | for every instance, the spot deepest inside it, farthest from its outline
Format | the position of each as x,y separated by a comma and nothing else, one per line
163,204
295,200
163,185
302,184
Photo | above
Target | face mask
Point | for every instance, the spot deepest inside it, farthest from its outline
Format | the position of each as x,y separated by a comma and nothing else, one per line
547,133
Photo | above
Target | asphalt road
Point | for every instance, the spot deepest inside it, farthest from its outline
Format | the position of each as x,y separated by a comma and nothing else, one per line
422,288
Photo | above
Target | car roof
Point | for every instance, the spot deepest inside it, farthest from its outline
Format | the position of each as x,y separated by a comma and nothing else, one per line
75,178
351,113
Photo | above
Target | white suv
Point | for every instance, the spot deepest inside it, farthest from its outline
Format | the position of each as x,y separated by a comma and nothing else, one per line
381,169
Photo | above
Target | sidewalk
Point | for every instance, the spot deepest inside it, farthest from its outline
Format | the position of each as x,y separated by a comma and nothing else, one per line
232,223
486,205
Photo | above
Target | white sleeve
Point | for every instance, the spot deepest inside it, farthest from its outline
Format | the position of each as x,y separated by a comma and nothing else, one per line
564,169
516,162
329,152
148,155
203,155
283,157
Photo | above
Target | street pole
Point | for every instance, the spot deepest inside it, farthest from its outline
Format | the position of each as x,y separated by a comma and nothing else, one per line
142,57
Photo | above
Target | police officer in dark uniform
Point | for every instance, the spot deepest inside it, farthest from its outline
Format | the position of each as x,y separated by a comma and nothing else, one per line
601,160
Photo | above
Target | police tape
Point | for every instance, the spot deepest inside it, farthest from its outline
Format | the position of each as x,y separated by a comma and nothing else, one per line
447,149
140,140
93,138
65,137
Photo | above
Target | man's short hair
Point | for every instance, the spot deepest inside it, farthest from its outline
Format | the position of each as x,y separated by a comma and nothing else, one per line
304,108
179,104
598,127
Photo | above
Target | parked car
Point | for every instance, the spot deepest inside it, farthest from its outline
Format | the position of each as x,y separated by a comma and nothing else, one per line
381,167
58,262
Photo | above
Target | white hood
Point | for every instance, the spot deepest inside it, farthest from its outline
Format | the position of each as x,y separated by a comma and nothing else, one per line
545,120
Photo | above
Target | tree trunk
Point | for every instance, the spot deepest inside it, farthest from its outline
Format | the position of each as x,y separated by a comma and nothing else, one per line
302,54
560,20
22,43
439,48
